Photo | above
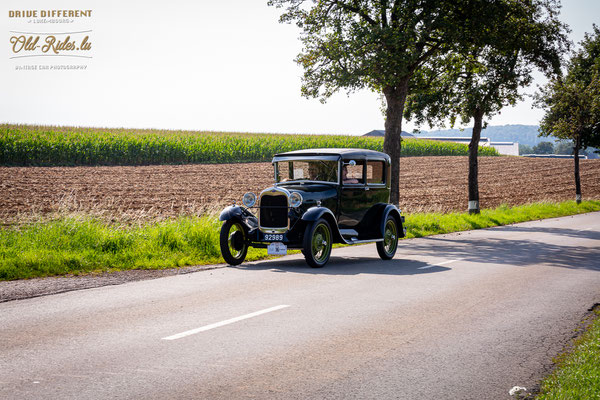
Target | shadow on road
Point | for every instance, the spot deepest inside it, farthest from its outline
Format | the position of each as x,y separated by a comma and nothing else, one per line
571,233
493,250
340,265
516,251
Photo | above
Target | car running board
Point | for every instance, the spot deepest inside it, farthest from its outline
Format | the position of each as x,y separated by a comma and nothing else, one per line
348,232
350,237
356,241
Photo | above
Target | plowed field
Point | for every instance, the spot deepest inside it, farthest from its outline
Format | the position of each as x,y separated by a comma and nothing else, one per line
427,184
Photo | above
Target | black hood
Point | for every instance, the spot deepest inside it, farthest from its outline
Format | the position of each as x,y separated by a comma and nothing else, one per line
313,192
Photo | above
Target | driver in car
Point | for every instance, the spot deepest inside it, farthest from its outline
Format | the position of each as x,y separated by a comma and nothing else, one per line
345,178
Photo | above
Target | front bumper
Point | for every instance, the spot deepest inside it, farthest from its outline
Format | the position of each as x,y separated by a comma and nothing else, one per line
292,237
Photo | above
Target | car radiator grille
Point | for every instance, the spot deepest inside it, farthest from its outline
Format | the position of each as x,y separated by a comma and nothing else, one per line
273,211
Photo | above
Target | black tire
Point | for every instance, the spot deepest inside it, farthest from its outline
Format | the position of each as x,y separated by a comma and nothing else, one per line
387,248
317,244
233,242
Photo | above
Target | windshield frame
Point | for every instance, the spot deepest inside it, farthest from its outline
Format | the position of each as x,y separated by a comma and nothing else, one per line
277,160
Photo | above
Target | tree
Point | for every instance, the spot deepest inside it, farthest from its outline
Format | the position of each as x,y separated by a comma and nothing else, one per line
525,149
380,45
543,148
572,102
479,79
563,147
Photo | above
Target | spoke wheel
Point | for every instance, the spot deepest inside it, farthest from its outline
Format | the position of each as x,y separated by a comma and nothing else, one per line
387,248
317,243
233,242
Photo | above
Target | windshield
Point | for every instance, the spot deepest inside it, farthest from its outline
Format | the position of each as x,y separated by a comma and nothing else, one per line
303,170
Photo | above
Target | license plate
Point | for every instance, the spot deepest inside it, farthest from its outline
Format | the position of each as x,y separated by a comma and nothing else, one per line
277,248
273,238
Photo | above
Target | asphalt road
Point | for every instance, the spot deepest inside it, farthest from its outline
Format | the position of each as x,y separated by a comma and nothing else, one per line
460,316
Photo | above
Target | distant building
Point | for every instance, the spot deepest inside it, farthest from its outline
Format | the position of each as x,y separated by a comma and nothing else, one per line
381,133
506,148
581,157
485,142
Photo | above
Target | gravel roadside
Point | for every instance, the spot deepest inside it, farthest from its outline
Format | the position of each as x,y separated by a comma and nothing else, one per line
28,288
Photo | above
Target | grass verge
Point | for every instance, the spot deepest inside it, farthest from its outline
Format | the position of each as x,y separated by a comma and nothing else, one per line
75,245
425,224
577,375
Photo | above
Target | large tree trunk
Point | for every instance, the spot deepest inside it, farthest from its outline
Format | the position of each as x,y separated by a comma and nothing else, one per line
392,143
473,168
576,149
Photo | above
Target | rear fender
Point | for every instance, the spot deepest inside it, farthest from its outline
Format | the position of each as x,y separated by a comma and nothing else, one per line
394,212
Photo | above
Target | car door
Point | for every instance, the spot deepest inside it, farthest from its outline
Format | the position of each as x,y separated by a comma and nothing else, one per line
353,198
377,191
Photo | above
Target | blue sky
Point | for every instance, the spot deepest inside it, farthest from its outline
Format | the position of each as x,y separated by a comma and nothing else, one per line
199,65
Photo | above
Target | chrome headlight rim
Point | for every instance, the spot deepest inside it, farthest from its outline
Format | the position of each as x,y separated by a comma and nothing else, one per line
249,199
296,199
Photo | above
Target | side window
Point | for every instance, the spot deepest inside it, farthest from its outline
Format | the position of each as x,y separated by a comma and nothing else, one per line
375,172
353,174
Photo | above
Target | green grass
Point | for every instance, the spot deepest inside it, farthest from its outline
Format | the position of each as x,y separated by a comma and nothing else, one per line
75,245
24,145
425,224
577,376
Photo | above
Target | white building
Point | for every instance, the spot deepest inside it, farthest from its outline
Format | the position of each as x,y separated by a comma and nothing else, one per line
484,142
505,148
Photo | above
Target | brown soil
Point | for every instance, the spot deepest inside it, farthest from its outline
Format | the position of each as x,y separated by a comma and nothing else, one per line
440,183
427,184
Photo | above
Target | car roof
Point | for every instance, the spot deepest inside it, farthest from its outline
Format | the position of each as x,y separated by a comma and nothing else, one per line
344,153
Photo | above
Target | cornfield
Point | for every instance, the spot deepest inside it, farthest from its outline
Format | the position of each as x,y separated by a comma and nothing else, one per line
26,145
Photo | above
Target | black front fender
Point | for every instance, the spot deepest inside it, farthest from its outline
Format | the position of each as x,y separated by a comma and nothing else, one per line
315,213
240,214
231,212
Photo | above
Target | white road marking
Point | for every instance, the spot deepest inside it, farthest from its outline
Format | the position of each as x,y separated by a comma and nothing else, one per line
223,323
439,264
583,230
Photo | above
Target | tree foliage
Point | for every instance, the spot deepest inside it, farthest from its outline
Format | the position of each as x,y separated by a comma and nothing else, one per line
565,147
543,148
487,74
572,102
378,45
475,53
482,76
525,149
352,44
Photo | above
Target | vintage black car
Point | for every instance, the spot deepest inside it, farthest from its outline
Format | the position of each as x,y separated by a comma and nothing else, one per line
320,197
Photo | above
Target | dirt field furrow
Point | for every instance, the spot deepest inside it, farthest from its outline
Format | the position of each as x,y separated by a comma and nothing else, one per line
427,184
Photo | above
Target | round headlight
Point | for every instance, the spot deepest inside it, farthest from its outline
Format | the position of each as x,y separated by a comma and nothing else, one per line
249,199
295,199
